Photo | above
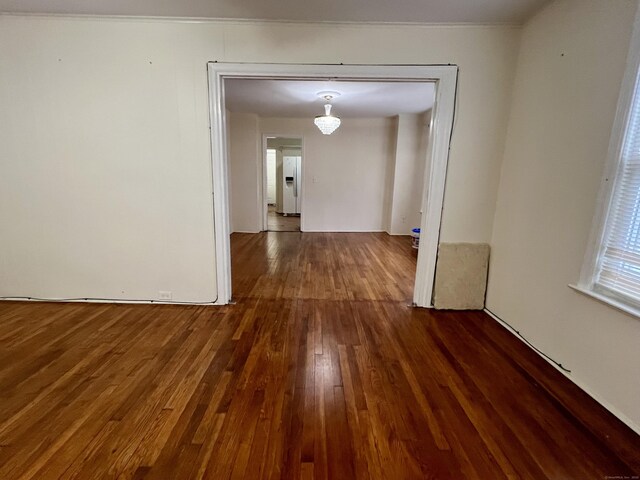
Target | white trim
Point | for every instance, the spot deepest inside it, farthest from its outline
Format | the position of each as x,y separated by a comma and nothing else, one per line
437,160
445,77
263,205
614,411
611,168
259,21
219,158
608,300
126,301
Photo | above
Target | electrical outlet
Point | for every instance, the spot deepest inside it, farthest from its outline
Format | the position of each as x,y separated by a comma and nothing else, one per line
163,295
404,219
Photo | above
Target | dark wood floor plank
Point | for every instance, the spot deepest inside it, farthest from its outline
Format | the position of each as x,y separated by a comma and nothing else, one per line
321,370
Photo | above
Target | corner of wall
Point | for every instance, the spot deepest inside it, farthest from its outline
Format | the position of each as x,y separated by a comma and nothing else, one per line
391,169
509,116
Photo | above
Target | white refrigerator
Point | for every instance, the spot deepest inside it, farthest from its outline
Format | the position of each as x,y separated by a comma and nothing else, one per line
291,184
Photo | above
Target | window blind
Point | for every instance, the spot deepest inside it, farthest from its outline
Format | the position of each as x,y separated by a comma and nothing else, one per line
619,263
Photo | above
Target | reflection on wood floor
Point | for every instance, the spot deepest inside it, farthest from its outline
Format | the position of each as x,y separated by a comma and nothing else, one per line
321,370
277,222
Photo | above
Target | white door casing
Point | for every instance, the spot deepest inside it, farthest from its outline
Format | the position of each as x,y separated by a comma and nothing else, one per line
445,78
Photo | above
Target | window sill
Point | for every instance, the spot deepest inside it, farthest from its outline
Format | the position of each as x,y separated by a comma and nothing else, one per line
612,302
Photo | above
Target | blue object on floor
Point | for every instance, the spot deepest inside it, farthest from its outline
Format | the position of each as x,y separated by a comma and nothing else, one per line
415,238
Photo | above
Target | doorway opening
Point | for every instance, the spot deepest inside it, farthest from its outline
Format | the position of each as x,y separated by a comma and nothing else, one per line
282,192
444,81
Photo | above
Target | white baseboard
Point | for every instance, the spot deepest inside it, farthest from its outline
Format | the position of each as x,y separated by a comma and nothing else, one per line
614,411
321,231
108,300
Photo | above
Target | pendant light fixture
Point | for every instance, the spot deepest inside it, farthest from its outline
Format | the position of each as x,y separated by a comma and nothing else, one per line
327,123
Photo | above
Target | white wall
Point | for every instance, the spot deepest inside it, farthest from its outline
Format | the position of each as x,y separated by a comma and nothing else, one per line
245,163
568,79
105,141
366,176
105,178
409,170
344,174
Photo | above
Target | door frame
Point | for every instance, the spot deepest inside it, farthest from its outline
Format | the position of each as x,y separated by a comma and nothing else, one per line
263,184
445,78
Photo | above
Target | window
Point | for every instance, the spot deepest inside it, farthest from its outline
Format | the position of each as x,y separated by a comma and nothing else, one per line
612,270
618,265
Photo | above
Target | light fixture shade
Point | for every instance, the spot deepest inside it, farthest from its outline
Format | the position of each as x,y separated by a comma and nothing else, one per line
327,123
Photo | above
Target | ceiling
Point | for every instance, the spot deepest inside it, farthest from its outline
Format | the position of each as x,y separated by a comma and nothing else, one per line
298,98
413,11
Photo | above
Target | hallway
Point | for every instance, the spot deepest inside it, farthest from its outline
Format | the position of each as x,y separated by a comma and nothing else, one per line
276,222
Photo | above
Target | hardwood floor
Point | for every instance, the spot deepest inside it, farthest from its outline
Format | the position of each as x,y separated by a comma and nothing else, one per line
321,370
276,222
